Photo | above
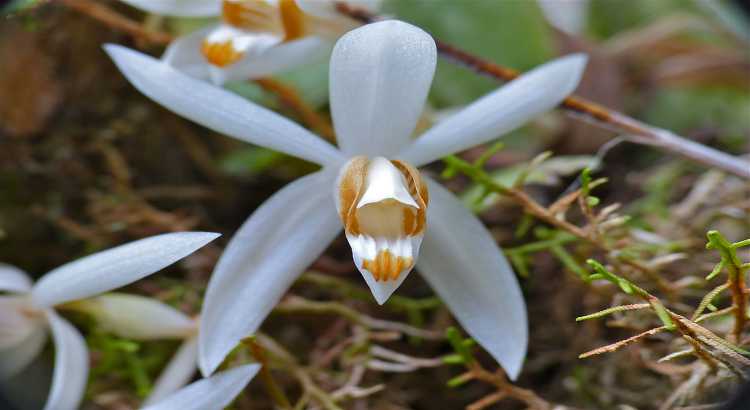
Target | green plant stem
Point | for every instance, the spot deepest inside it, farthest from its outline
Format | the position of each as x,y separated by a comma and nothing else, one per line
736,279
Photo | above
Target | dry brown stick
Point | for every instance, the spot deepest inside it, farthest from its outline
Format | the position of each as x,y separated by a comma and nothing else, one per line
289,97
111,18
591,111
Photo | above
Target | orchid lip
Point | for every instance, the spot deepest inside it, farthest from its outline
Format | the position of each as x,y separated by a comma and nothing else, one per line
382,205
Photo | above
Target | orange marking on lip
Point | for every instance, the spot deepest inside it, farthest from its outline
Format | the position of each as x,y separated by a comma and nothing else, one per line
220,54
386,266
293,19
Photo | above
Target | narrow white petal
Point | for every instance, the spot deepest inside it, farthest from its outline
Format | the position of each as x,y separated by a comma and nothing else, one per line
178,8
177,373
464,265
116,267
13,279
137,317
327,8
213,393
71,365
567,15
185,54
379,79
274,60
15,358
499,112
269,251
218,109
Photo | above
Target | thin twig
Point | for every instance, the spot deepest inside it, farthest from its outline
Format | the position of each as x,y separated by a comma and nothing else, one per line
289,97
589,110
117,21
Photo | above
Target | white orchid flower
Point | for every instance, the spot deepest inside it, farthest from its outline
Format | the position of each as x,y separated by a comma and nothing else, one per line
143,318
27,311
379,79
255,38
213,393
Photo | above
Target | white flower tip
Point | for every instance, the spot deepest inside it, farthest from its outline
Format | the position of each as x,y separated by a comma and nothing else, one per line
124,57
513,363
211,352
113,49
382,290
571,68
191,240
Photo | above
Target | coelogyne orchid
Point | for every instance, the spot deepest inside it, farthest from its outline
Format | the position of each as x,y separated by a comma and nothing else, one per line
255,38
27,312
394,218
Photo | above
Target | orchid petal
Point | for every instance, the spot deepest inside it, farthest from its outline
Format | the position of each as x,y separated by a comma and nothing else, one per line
13,279
567,15
178,8
275,60
464,265
137,317
218,109
213,393
379,79
500,111
116,267
15,358
279,240
184,53
177,373
327,8
71,365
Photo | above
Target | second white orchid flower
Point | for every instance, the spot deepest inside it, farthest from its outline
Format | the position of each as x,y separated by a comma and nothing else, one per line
394,218
28,311
255,38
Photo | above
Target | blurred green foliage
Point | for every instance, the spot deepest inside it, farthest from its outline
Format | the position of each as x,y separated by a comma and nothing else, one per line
724,111
512,33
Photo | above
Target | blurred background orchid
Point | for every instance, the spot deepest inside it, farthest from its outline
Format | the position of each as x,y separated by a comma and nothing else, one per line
28,312
254,38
